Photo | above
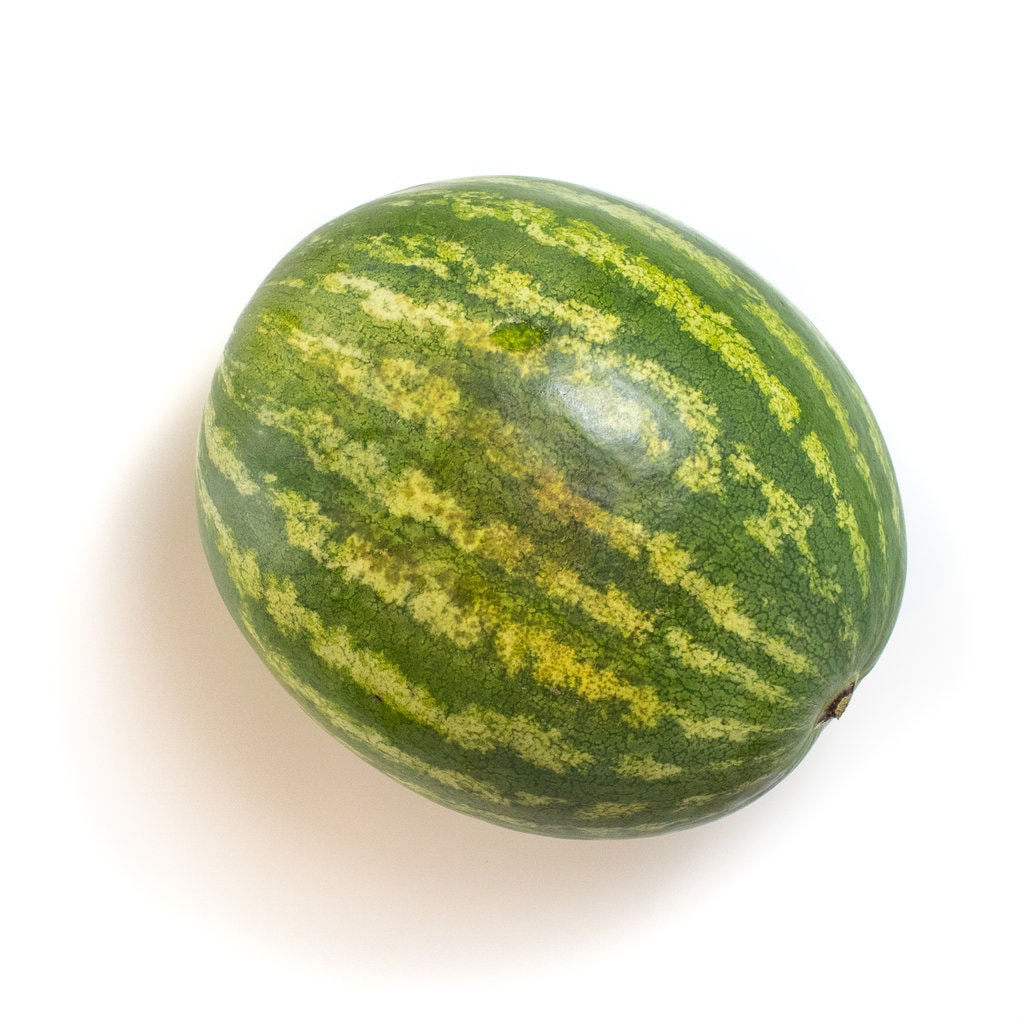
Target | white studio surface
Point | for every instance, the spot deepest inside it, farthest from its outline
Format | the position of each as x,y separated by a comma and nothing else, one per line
182,843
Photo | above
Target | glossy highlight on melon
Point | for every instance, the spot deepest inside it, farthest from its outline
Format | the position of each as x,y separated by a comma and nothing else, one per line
548,507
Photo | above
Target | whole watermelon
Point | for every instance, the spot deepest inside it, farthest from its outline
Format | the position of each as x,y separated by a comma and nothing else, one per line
548,507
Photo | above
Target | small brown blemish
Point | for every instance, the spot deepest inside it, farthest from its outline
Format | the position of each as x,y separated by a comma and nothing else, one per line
838,704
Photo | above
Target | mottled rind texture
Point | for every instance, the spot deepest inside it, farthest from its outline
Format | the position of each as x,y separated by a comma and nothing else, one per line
548,507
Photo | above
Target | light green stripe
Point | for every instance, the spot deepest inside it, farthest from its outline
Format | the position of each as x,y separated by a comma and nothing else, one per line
611,810
894,510
417,589
510,290
414,587
646,768
414,395
412,495
406,766
706,325
385,304
722,274
331,451
414,392
785,522
609,607
476,728
755,302
701,469
710,327
219,446
714,665
796,346
411,391
846,516
550,660
242,566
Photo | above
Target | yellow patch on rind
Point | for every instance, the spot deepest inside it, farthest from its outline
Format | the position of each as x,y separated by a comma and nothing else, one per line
610,606
473,728
554,663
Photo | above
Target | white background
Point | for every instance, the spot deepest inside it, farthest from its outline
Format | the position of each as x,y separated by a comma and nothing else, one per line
180,842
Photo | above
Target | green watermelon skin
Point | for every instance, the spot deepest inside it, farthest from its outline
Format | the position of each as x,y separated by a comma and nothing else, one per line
548,507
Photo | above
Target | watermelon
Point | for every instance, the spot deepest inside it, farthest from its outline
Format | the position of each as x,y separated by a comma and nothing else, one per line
548,507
